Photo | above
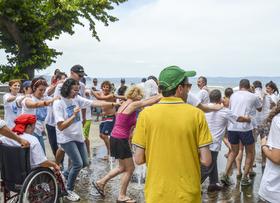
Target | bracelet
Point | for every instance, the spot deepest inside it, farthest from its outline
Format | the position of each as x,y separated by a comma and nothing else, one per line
265,145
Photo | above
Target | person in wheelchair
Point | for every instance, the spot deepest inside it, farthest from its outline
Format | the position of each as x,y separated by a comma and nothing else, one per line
5,131
24,127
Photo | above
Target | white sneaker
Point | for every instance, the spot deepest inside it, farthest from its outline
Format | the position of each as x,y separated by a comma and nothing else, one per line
72,196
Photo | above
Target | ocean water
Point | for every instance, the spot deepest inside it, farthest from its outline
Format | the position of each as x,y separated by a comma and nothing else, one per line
213,82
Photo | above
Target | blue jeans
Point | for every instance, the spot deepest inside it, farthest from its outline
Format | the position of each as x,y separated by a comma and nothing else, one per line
41,140
77,153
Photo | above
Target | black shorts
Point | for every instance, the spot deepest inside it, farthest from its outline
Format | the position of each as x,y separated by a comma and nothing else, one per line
120,148
246,138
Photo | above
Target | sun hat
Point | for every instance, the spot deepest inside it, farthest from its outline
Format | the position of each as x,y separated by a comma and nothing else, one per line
172,76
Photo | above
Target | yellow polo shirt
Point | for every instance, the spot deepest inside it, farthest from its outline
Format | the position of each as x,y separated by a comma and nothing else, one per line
171,133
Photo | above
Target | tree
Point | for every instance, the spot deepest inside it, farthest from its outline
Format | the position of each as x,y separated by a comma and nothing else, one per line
26,25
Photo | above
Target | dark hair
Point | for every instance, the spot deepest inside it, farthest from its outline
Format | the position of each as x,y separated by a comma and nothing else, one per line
106,82
36,82
275,110
67,85
273,86
215,96
244,83
204,79
228,92
154,78
121,90
56,71
60,74
257,84
173,91
143,80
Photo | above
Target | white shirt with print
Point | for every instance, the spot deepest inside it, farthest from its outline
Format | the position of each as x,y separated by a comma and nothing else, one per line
41,114
243,103
63,109
37,155
270,183
11,110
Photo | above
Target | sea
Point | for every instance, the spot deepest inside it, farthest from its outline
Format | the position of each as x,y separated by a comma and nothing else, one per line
220,83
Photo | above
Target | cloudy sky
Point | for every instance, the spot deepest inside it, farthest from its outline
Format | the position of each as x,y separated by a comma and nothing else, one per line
213,37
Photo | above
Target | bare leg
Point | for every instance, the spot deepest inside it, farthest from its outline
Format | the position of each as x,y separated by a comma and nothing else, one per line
249,158
105,138
113,173
129,168
238,159
232,156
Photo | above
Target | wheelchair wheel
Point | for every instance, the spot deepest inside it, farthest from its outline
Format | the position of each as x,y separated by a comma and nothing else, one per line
39,186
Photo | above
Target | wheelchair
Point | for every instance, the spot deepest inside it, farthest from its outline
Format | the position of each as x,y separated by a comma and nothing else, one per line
20,183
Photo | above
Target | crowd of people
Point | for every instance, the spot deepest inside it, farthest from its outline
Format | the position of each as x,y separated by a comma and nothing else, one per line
176,133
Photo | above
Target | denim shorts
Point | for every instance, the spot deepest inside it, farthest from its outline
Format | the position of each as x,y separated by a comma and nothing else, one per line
246,138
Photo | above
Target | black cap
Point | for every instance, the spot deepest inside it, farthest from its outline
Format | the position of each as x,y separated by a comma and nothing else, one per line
79,70
122,80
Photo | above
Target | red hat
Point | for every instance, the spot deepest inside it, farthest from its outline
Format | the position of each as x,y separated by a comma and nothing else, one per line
22,121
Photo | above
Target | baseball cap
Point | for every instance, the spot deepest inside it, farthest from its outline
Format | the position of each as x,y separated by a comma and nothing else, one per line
26,84
171,76
79,70
122,80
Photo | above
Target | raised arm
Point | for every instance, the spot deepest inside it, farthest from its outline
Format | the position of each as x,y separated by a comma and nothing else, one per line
31,104
147,102
11,98
98,96
244,119
104,103
65,124
209,108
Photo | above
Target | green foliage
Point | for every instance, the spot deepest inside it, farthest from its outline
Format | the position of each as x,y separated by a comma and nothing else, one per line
25,25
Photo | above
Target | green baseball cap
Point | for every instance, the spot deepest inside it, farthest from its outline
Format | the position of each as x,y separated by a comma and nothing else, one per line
170,77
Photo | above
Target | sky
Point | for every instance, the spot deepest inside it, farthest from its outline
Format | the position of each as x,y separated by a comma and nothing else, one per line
214,37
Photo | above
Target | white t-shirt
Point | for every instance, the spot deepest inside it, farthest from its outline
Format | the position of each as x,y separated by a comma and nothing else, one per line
193,100
243,103
37,155
150,88
217,123
270,183
203,95
63,109
11,110
41,114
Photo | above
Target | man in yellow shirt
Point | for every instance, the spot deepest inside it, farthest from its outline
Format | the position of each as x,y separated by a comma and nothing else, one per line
172,138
